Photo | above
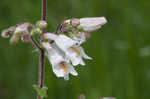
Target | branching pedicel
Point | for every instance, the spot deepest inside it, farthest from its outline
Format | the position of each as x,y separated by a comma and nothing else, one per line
63,47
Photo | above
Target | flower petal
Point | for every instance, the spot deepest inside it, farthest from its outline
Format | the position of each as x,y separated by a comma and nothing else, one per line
59,72
50,36
84,54
64,42
75,60
66,76
91,24
72,70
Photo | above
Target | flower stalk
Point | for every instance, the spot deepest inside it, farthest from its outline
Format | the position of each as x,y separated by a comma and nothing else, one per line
41,56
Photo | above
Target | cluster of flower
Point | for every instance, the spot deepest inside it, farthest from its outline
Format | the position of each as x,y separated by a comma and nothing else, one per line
23,30
17,31
62,48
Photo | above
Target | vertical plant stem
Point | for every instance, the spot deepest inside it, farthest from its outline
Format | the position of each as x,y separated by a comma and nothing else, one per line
44,8
41,56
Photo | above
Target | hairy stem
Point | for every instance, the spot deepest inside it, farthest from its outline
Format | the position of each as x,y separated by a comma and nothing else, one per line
41,56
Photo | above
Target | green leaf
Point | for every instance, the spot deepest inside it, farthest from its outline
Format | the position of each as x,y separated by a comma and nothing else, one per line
41,91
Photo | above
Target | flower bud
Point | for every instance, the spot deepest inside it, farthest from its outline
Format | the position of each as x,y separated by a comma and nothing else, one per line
41,24
8,32
91,24
36,31
25,37
5,33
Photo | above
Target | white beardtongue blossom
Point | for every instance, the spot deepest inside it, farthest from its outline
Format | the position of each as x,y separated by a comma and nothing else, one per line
91,24
60,65
71,48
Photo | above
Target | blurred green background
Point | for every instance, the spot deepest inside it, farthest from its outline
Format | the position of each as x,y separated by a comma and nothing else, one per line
120,50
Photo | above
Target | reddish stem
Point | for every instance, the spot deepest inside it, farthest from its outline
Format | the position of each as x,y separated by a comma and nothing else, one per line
41,56
44,8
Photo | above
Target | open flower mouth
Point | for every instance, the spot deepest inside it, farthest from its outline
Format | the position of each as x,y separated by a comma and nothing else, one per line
78,52
63,65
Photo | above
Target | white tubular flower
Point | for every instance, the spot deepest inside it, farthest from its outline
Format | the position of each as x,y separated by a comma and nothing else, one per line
91,24
60,66
73,52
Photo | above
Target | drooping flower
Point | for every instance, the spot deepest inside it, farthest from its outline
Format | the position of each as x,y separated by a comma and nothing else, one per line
17,31
78,29
8,32
71,48
88,24
61,67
